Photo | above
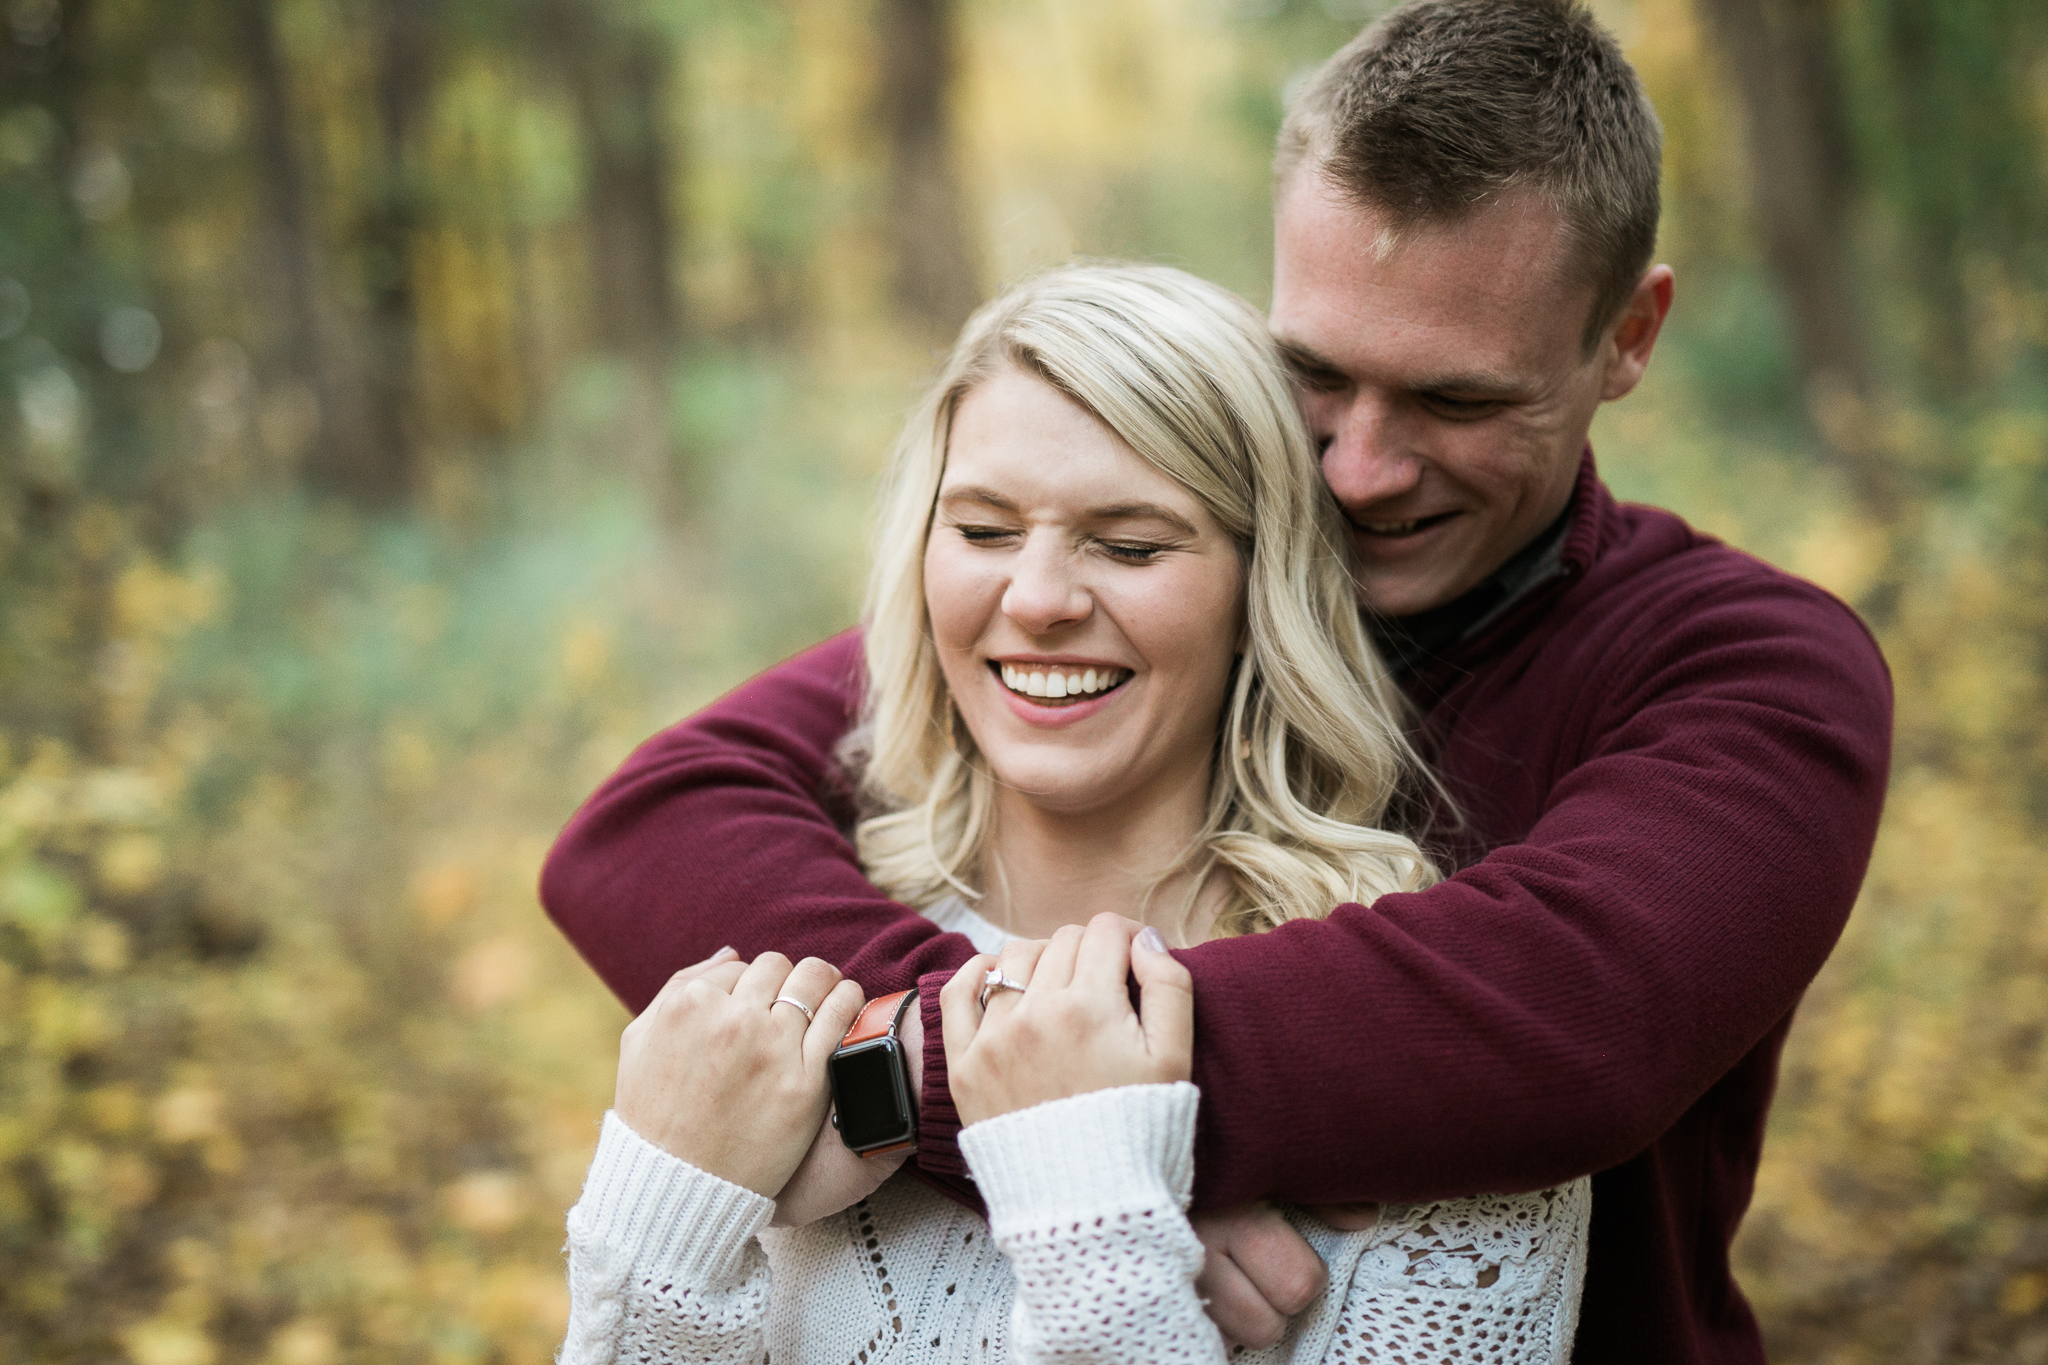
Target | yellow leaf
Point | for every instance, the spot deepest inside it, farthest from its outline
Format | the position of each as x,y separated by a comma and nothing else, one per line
2024,1293
493,973
188,1114
131,863
586,654
444,892
168,1343
308,1341
103,946
486,1201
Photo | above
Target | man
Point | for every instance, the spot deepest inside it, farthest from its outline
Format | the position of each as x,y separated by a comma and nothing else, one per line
1670,758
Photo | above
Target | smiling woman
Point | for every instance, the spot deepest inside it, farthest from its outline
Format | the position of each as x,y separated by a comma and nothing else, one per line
1085,608
1111,478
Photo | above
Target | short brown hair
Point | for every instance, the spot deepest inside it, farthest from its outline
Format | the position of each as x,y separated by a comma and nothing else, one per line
1441,106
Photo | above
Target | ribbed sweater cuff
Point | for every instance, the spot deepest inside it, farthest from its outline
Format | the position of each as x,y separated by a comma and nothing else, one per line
1127,1147
669,1216
938,1121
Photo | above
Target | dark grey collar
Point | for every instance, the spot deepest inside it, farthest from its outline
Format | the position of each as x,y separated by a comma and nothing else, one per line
1408,640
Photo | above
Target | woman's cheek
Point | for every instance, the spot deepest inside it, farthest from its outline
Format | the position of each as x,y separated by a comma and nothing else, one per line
949,596
1190,623
963,595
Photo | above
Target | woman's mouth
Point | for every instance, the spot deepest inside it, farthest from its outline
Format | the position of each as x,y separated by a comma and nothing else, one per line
1059,684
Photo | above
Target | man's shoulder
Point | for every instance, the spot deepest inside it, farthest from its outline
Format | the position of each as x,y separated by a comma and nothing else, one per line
1658,589
1655,566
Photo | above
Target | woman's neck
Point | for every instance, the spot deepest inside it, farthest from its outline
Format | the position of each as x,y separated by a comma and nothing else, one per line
1048,868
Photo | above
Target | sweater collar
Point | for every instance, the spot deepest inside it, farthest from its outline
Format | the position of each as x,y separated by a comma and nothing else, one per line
1560,551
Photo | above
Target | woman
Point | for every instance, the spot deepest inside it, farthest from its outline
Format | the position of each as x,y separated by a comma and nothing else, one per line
1114,659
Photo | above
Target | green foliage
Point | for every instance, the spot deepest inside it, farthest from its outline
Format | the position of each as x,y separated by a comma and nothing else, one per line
1946,103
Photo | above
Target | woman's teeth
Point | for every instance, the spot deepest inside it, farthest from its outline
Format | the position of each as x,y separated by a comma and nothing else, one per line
1055,683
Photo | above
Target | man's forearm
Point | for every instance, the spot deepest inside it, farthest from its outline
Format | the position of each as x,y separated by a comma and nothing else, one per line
727,829
722,830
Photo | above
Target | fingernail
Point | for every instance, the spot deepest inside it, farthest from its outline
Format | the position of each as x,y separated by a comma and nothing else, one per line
1149,940
722,952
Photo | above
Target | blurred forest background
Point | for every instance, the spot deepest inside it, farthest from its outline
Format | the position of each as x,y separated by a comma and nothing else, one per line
408,405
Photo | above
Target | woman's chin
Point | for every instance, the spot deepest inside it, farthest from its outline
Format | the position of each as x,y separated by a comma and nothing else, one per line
1063,794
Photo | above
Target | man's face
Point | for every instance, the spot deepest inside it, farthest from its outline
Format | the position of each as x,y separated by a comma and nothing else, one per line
1444,381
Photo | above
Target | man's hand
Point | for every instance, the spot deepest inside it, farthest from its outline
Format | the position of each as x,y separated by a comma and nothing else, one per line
1357,1217
1259,1273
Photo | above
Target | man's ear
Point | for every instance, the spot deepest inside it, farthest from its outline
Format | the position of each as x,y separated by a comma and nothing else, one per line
1634,334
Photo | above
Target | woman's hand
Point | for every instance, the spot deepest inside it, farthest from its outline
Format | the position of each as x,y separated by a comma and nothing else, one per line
716,1073
1072,1030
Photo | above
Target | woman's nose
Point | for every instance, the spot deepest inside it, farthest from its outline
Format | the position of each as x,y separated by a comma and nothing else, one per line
1045,592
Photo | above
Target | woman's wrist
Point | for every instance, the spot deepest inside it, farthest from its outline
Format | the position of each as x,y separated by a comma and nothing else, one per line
663,1211
912,1034
1129,1146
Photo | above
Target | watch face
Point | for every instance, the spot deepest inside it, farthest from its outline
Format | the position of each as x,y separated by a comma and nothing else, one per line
867,1087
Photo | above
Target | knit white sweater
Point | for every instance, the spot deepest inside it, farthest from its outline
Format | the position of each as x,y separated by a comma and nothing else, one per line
1087,1256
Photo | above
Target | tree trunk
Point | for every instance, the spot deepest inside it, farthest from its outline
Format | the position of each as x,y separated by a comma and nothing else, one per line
620,76
404,85
1778,54
288,250
48,682
620,82
346,456
1955,77
934,268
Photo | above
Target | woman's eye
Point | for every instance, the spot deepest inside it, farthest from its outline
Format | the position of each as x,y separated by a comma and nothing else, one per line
983,535
1133,552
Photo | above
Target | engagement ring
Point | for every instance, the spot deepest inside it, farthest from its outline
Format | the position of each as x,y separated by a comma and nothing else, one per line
996,981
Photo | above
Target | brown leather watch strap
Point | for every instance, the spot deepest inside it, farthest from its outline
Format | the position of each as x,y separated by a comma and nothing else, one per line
879,1018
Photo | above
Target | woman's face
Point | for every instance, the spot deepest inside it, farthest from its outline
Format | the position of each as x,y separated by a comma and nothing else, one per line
1085,606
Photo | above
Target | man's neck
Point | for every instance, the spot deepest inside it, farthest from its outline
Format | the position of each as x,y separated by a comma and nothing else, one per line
1408,640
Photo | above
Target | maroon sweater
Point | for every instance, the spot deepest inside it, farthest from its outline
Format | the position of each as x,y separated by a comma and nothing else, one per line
1673,757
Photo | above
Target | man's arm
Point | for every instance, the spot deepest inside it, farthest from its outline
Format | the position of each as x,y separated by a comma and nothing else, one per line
731,829
1547,1012
1555,1007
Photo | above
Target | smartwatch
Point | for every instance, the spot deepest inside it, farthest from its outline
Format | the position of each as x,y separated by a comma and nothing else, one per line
873,1101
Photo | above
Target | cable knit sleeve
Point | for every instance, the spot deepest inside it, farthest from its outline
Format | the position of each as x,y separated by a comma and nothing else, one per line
1086,1196
664,1261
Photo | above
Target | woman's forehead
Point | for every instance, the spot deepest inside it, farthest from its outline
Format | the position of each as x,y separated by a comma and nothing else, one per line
1019,445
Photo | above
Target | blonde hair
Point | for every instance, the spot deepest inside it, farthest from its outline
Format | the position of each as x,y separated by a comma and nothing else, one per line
1311,753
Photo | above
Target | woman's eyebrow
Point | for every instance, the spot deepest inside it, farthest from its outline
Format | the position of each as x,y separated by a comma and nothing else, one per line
1116,511
1145,511
987,497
